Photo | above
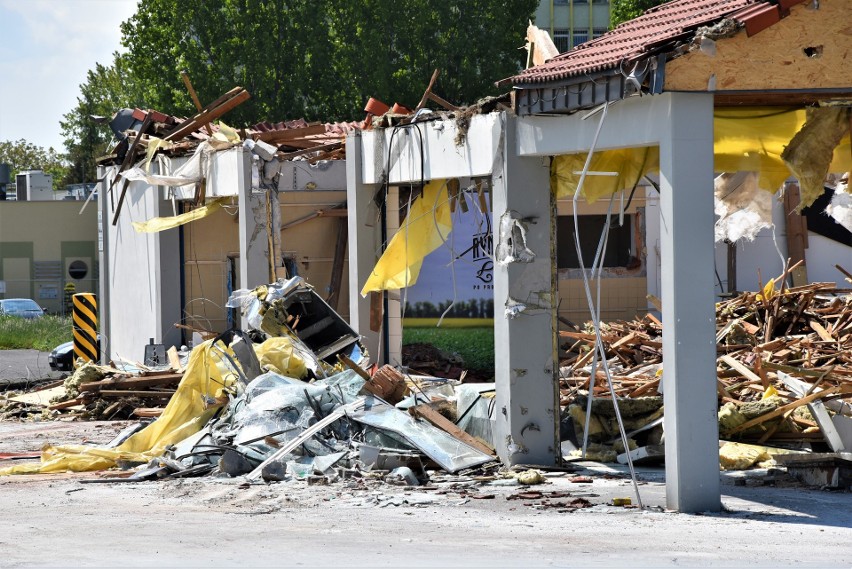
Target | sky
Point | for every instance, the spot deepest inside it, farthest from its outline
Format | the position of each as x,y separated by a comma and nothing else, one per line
46,48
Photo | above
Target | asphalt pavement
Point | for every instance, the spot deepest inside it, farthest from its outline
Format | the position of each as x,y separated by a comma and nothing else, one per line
22,368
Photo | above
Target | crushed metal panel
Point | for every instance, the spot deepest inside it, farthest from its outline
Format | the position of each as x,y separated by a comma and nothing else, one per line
449,452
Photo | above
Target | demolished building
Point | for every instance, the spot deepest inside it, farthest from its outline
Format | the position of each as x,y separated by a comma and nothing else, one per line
522,161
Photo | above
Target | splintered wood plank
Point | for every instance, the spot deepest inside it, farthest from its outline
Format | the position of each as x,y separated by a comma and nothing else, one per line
784,408
122,382
741,369
174,359
822,332
140,394
426,412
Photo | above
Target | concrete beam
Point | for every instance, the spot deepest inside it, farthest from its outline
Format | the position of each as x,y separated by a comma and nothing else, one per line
441,157
632,122
524,307
686,238
364,241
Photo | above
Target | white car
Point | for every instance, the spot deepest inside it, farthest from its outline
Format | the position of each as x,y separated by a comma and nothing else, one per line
21,307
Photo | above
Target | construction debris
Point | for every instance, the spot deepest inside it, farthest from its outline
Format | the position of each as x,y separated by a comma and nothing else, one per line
288,400
784,370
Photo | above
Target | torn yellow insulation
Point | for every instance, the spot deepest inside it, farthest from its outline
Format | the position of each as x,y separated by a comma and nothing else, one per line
630,164
157,224
744,140
811,151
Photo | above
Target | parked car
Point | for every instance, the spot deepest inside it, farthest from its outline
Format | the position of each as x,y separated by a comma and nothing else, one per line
21,307
62,356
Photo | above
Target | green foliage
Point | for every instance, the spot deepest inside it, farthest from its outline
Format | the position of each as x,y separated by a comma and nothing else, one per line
448,322
623,10
474,345
472,308
43,334
22,155
317,59
106,90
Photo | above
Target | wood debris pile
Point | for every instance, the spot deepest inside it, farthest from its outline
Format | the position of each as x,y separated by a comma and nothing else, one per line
98,393
780,352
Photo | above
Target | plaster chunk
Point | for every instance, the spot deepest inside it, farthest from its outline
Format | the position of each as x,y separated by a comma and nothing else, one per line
512,246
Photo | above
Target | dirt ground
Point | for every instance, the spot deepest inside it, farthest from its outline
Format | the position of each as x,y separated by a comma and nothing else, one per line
64,520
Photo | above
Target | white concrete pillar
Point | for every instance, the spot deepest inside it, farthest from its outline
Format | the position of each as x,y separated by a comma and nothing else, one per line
689,350
254,243
525,342
363,244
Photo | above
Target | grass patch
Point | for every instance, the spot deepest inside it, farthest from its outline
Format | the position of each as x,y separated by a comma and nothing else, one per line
449,323
43,334
474,345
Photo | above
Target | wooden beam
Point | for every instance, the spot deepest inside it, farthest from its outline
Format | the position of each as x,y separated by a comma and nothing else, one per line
426,412
784,408
209,114
186,81
128,159
339,261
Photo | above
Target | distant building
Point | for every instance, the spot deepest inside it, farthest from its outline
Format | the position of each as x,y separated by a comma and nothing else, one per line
45,245
34,186
572,22
76,192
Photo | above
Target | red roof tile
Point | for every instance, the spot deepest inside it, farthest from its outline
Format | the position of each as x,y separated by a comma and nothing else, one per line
648,34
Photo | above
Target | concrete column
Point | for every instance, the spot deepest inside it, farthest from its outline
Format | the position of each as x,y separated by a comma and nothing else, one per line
524,307
363,242
394,319
686,239
254,245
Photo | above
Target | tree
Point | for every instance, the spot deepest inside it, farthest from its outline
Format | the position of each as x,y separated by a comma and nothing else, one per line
21,155
623,10
316,59
107,89
321,59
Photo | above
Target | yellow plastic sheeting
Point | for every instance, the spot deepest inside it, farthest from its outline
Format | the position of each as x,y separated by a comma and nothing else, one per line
157,224
205,380
155,144
753,140
425,228
744,140
630,163
278,355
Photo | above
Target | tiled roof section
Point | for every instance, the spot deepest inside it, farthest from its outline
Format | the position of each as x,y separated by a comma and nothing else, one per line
267,126
330,128
648,34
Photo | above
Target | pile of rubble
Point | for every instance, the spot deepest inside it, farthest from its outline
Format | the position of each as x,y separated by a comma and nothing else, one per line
290,398
97,392
784,370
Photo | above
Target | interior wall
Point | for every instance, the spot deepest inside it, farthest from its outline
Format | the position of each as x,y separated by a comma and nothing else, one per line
623,291
809,49
312,243
207,245
210,242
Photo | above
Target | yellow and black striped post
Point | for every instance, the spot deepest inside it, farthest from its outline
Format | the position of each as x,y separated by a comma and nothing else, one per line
85,321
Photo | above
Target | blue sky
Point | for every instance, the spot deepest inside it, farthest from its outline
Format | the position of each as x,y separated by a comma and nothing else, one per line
46,48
